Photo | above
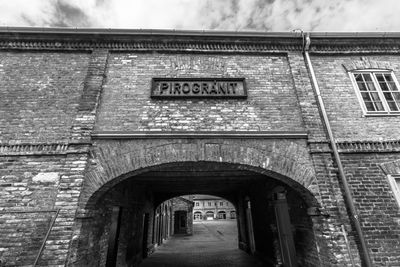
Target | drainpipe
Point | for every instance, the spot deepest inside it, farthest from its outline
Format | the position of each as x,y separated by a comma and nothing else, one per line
45,239
349,199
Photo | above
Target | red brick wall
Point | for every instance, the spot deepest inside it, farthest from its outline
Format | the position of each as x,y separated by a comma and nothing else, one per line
31,190
39,92
342,105
374,200
41,108
126,104
372,196
50,97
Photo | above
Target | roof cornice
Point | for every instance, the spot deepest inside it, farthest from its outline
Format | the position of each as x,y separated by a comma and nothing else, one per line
207,33
146,32
34,38
147,40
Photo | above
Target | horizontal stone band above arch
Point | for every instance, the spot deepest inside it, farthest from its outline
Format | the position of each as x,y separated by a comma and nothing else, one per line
199,134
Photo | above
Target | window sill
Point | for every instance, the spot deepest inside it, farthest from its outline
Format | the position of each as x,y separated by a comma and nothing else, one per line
381,114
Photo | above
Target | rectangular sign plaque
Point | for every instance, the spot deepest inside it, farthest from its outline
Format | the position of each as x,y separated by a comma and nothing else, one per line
198,88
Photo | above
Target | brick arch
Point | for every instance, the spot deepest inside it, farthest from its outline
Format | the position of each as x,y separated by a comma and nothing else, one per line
115,161
365,63
390,168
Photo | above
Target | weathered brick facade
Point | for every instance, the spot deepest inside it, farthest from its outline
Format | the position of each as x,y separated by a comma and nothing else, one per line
80,134
128,80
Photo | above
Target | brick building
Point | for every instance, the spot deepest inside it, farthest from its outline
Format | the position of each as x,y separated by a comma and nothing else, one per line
173,216
300,132
210,208
182,208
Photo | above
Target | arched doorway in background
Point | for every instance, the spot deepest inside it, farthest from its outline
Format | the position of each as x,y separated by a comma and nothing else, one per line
221,215
233,214
209,215
198,216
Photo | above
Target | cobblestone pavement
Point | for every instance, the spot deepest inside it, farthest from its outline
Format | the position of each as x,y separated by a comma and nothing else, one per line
213,243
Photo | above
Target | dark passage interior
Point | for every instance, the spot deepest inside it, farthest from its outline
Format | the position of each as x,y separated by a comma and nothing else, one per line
213,243
133,220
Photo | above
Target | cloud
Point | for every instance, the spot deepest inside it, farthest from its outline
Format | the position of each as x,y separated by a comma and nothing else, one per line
67,15
23,13
260,15
309,15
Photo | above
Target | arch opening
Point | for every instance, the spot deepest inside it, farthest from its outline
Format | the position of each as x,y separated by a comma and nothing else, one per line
144,218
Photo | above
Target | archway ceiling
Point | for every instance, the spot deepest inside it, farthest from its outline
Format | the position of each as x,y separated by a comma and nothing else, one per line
198,178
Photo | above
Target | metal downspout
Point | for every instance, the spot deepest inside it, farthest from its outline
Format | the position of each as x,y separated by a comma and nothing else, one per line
349,199
45,238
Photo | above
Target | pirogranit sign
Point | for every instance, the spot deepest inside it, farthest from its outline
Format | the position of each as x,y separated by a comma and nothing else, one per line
198,88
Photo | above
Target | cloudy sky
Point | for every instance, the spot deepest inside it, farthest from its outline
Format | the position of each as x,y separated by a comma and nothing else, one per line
237,15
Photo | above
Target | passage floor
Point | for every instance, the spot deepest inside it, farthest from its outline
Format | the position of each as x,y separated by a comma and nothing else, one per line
213,243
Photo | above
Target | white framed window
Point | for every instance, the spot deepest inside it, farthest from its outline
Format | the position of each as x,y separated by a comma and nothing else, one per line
394,181
378,91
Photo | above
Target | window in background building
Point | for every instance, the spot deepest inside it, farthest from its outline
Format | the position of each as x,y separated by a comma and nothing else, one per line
378,91
197,204
221,203
222,215
233,214
209,203
394,181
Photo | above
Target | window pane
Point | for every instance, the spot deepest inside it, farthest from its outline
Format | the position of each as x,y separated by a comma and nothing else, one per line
377,102
362,86
366,97
369,106
375,96
358,77
392,86
390,83
360,82
371,86
397,96
388,96
388,78
367,77
379,106
384,86
392,105
380,77
369,82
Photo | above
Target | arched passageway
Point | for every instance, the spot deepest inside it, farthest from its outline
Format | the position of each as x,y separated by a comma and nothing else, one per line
222,215
131,220
198,216
197,240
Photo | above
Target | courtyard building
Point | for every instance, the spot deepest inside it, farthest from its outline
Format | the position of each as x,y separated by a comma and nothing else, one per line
104,135
212,208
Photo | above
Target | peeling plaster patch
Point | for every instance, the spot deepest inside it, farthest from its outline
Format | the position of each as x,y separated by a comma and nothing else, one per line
46,177
266,163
